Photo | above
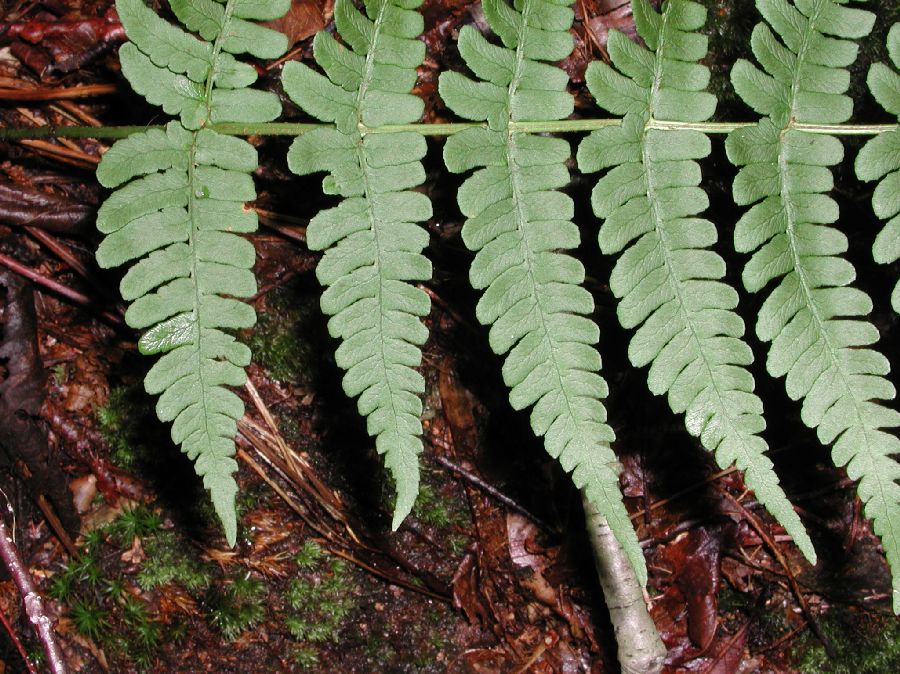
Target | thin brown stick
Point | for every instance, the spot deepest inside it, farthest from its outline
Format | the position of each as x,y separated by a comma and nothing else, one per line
63,253
76,114
775,549
64,154
470,477
34,605
328,537
683,492
45,94
57,526
54,286
783,638
291,503
16,642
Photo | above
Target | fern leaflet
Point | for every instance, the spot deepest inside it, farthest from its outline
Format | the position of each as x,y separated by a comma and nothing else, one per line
517,222
880,158
668,278
373,246
177,213
812,315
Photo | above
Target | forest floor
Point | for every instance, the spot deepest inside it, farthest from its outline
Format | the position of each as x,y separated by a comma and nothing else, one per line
492,572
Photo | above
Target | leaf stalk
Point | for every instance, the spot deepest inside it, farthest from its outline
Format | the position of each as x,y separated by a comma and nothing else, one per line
440,129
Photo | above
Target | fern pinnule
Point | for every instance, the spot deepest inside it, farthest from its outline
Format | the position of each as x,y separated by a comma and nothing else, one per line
373,248
667,277
177,215
880,159
813,317
518,223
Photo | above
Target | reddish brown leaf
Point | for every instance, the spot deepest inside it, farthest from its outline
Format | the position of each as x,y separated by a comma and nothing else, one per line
304,19
25,205
698,580
466,592
727,654
63,45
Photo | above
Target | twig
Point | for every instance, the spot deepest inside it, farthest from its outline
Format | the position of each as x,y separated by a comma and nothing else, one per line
641,650
61,252
66,155
329,537
42,94
757,526
55,286
493,491
783,638
64,254
34,605
18,644
57,525
683,492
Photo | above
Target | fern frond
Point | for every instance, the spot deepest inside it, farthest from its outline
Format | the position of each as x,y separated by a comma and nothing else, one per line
176,216
880,158
373,246
813,316
518,222
667,277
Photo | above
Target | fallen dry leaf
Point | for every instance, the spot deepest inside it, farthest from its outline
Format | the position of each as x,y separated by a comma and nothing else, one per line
304,19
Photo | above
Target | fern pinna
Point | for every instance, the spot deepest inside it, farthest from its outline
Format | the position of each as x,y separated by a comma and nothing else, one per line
518,222
812,315
373,246
880,159
668,278
177,213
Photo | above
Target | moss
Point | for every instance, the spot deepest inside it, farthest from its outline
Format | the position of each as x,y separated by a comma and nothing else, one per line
430,508
60,373
108,609
865,644
304,658
236,606
89,619
280,341
309,555
120,422
321,604
137,522
167,561
436,509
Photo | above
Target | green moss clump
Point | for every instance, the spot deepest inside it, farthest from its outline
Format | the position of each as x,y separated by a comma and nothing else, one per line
119,422
865,643
236,606
304,658
309,555
169,561
280,341
89,619
137,522
322,604
113,618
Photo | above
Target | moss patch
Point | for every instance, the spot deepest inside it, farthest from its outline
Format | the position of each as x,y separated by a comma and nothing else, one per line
865,644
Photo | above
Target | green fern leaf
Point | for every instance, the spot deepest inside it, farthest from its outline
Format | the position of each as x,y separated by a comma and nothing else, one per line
880,158
198,80
517,222
812,316
667,277
176,216
373,246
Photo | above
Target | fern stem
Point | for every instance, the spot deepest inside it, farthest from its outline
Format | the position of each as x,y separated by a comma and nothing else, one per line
640,648
299,128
